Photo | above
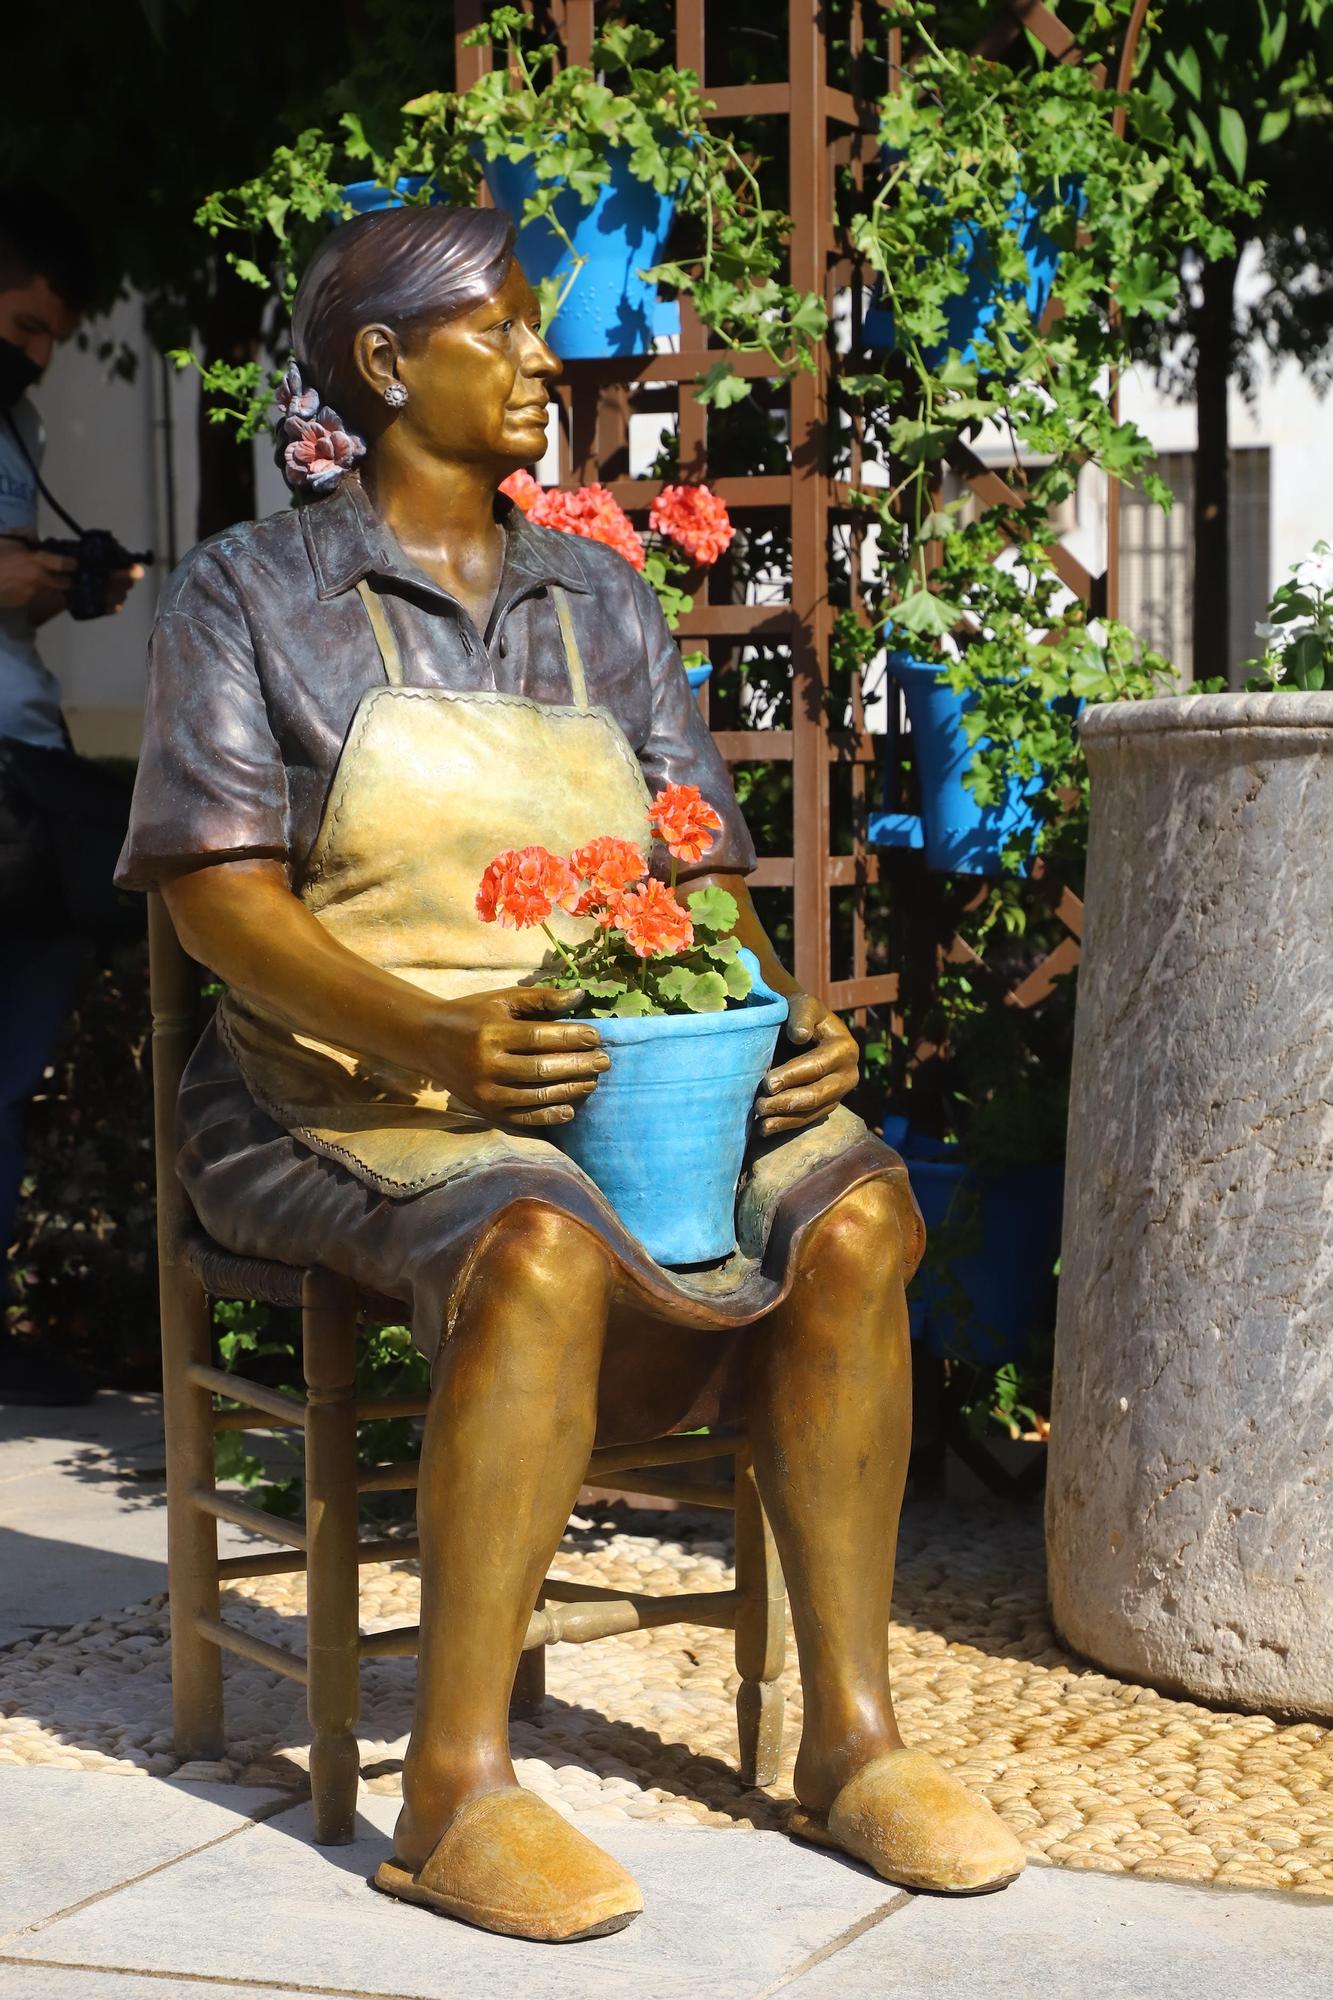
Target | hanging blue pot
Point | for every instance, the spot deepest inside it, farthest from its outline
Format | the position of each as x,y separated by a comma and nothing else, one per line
610,309
959,835
698,675
368,197
664,1133
986,1308
970,312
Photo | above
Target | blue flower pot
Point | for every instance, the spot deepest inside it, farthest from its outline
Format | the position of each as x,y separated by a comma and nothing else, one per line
987,1309
968,313
610,309
664,1133
959,836
368,197
698,675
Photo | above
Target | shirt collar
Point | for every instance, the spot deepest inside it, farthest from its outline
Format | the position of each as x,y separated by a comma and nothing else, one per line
347,542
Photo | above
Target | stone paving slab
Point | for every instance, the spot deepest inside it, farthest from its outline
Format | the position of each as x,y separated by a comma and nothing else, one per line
726,1917
1070,1934
58,1982
83,1512
69,1835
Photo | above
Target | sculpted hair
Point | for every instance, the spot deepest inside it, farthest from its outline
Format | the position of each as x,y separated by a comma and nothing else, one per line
397,268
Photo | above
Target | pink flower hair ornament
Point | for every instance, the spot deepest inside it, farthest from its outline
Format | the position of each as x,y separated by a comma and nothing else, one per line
314,447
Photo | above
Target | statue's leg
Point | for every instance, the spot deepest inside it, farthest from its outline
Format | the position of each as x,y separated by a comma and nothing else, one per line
510,1426
830,1429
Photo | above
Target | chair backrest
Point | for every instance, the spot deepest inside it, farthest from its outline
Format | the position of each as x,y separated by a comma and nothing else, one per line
173,982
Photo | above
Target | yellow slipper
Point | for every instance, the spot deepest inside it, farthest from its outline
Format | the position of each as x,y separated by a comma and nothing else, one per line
915,1824
508,1862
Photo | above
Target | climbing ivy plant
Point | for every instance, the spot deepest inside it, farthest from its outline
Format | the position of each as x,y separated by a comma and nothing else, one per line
566,122
966,145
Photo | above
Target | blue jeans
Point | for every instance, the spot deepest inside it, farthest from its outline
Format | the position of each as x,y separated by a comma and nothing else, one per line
39,979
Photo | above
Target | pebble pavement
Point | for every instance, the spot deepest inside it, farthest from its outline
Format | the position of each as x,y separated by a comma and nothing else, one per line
1089,1771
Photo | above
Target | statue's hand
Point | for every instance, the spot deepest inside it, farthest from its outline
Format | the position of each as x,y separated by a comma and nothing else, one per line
503,1054
803,1090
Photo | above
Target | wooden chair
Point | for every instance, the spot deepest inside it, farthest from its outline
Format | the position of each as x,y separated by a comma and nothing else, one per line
326,1544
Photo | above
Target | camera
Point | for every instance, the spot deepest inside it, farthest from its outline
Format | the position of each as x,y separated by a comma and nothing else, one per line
96,554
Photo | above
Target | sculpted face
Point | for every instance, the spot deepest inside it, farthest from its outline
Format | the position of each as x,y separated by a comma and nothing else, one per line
477,387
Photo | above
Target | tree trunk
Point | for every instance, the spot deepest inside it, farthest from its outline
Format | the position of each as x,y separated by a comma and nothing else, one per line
1214,346
230,331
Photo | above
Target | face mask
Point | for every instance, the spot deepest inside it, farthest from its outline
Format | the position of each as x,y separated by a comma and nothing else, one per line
18,373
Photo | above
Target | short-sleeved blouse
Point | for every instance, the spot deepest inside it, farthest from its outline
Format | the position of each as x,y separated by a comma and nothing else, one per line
262,651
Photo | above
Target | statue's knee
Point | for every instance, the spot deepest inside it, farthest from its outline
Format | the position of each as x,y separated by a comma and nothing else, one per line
858,1240
540,1251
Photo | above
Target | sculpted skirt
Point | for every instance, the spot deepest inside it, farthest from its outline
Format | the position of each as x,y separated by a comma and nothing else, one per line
262,1193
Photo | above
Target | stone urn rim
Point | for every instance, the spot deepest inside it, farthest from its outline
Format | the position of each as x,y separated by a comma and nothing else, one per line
1294,709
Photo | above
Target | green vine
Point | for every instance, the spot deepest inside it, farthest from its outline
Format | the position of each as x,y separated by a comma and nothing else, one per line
565,122
962,139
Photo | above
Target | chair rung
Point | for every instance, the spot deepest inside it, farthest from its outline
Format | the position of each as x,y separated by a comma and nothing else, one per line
400,1476
366,1413
230,1637
235,1567
720,1499
577,1623
659,1451
274,1402
241,1516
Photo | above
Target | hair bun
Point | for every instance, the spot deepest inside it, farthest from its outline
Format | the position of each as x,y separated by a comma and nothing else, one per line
313,447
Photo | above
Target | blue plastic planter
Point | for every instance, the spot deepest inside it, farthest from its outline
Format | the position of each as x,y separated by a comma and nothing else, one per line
368,197
968,313
664,1133
960,836
698,675
610,309
1005,1281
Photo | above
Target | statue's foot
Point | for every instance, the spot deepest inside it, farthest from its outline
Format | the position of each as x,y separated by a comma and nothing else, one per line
508,1862
917,1825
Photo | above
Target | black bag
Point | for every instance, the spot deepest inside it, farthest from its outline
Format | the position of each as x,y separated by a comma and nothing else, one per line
62,826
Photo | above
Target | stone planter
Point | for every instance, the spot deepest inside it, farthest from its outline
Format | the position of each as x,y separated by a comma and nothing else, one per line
1190,1499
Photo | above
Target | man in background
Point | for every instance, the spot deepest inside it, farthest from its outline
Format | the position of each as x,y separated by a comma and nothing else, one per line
61,817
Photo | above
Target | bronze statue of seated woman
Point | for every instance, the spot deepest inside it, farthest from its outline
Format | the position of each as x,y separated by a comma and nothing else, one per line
353,706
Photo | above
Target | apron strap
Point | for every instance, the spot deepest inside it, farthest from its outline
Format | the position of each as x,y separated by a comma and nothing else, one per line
573,657
384,639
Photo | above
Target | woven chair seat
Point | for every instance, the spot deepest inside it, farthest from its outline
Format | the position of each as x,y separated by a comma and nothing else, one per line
224,1274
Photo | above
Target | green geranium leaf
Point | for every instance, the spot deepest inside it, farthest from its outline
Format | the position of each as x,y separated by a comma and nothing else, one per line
626,1006
706,993
712,909
596,989
721,387
923,613
739,984
721,950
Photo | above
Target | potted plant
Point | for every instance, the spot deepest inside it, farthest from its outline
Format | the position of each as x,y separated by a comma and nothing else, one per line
689,1024
990,164
595,163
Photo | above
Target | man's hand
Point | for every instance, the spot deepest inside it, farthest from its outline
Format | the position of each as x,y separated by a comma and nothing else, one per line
119,585
805,1089
32,580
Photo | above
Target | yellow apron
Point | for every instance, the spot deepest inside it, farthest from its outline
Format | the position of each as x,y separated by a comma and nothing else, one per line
431,785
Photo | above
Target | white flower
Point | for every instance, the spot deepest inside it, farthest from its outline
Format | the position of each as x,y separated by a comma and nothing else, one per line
1277,669
1263,631
1316,573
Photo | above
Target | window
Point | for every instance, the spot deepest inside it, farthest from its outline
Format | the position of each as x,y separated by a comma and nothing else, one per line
1157,561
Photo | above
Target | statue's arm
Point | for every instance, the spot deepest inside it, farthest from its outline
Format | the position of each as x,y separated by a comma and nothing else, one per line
500,1052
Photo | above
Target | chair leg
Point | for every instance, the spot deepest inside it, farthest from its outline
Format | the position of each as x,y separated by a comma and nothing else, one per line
192,1535
333,1686
761,1633
529,1692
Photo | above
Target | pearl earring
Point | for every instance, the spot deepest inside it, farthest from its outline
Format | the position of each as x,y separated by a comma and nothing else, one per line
395,395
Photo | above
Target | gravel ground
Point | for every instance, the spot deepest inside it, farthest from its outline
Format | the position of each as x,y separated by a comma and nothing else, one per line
1089,1771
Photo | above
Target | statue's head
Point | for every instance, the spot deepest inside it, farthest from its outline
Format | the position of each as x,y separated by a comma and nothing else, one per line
416,321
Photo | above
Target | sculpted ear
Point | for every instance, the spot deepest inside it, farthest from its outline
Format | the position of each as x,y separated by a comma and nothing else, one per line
375,352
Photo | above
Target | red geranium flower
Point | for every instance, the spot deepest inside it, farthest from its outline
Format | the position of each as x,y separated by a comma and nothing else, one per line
606,866
522,886
522,489
591,512
684,821
694,519
652,921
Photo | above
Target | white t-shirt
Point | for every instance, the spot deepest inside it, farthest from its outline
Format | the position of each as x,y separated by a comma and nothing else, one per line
29,692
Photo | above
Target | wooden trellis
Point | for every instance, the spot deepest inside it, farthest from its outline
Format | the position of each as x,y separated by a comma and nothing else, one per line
826,128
